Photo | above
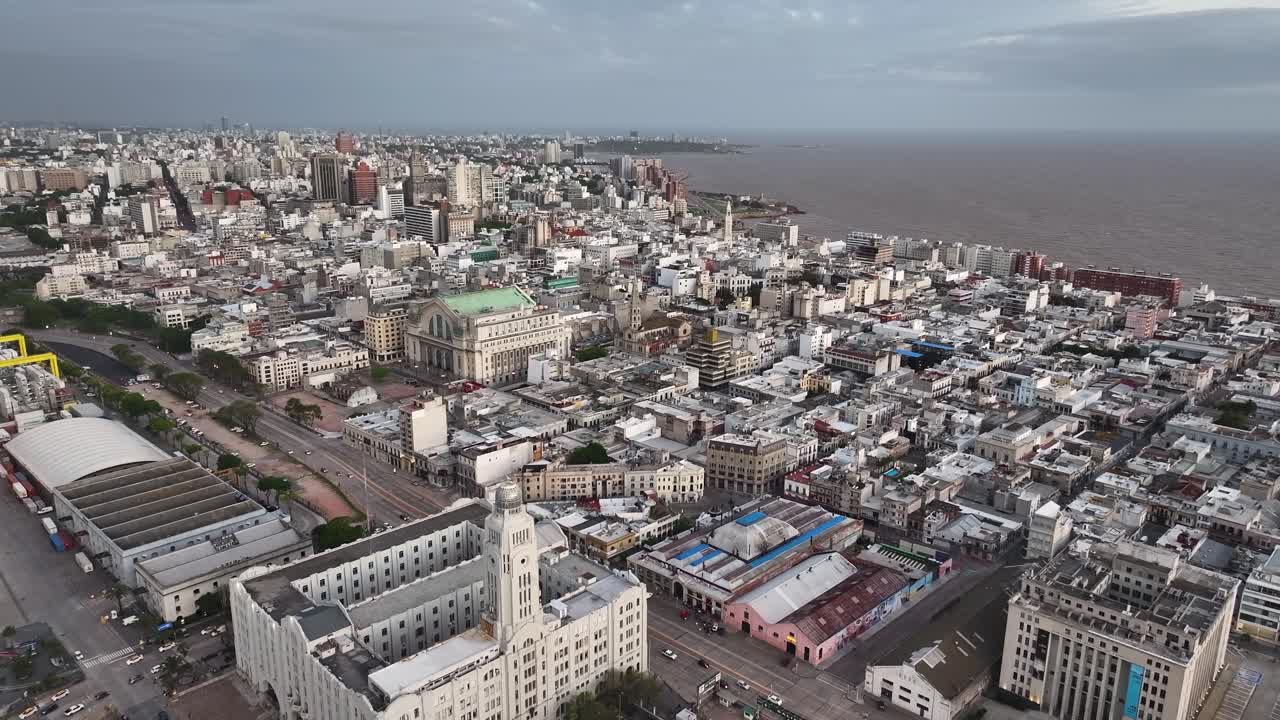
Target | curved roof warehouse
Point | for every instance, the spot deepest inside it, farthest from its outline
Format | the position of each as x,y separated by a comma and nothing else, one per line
67,450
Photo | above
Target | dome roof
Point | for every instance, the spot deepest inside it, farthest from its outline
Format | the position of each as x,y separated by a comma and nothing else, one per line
750,541
508,497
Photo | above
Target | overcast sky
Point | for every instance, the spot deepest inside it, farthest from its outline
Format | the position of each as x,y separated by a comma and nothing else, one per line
687,65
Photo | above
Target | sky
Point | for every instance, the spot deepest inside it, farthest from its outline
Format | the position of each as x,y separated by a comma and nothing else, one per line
665,66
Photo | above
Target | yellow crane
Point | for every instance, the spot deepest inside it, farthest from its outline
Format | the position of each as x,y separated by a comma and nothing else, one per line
18,338
38,358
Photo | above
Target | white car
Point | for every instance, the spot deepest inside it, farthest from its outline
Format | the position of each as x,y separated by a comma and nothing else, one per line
73,709
156,668
133,660
744,685
264,443
28,712
79,655
669,655
59,695
166,647
775,699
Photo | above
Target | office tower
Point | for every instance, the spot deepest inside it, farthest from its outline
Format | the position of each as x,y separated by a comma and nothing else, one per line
459,183
345,143
579,151
284,144
551,153
622,167
425,222
327,178
1126,630
713,355
415,188
726,232
224,124
362,184
391,201
748,464
144,214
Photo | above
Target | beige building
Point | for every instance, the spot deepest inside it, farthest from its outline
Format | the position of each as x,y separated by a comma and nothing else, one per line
384,333
1128,631
680,481
286,369
486,336
63,281
748,464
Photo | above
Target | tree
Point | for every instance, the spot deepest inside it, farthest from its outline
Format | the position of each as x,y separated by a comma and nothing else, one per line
160,425
185,385
591,454
192,448
159,371
274,484
246,413
336,533
9,631
37,314
135,405
586,706
227,461
209,603
284,497
119,592
594,352
379,374
725,296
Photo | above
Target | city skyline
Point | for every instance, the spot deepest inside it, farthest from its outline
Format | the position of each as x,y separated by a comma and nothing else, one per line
1085,64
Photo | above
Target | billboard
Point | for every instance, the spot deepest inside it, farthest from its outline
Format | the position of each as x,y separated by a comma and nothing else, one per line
1134,691
708,686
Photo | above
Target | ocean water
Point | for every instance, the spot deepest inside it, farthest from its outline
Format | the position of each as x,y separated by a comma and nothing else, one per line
1203,207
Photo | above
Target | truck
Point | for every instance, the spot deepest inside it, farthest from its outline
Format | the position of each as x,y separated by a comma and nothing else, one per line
142,377
31,505
49,526
84,562
19,490
56,541
129,620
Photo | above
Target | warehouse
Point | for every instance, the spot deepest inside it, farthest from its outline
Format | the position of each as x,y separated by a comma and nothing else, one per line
128,502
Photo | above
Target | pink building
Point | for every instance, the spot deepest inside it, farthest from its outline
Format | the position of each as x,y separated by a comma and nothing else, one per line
814,609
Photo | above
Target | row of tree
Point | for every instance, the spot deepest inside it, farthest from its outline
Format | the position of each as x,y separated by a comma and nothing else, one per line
226,368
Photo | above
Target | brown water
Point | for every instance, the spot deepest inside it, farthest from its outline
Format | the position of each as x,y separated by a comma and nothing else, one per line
1203,208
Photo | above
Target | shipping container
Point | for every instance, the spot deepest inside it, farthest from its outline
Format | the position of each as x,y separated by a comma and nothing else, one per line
56,541
31,489
19,491
84,562
69,541
21,476
49,526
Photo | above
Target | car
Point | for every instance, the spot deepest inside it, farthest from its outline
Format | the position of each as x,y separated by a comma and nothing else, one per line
73,709
774,699
715,627
48,709
881,704
102,695
742,684
324,470
703,663
133,660
135,679
156,669
264,443
670,655
308,452
78,655
404,517
28,712
166,647
60,694
162,715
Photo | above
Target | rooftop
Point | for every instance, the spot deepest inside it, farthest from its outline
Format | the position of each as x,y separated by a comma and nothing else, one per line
487,301
242,547
100,445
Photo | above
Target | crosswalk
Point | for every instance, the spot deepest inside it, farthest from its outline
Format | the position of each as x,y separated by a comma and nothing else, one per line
109,657
1275,711
1239,692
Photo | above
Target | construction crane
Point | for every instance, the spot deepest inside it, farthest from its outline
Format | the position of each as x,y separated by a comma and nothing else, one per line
38,358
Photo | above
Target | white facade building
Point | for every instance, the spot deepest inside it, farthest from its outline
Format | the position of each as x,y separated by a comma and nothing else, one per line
452,616
1260,601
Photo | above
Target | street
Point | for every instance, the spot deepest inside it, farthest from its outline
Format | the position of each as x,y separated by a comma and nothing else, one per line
390,493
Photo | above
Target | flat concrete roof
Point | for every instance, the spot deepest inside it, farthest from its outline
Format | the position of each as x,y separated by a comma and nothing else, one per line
147,503
241,548
417,593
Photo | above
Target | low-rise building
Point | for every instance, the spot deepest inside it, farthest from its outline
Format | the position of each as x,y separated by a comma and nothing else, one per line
676,481
318,364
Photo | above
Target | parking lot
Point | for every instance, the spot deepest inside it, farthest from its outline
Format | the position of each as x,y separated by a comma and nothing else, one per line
38,584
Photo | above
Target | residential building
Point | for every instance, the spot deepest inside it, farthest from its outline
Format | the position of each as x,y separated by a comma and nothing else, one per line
144,214
384,329
328,178
1130,283
717,362
1048,532
362,182
749,465
678,481
225,335
58,179
485,336
426,222
320,364
62,281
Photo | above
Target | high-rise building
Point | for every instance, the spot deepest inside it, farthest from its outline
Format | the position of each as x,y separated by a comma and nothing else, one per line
327,178
55,179
391,201
713,355
458,177
1127,631
1130,283
144,214
415,185
482,620
622,167
344,143
579,150
727,230
362,182
1260,601
426,222
551,153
